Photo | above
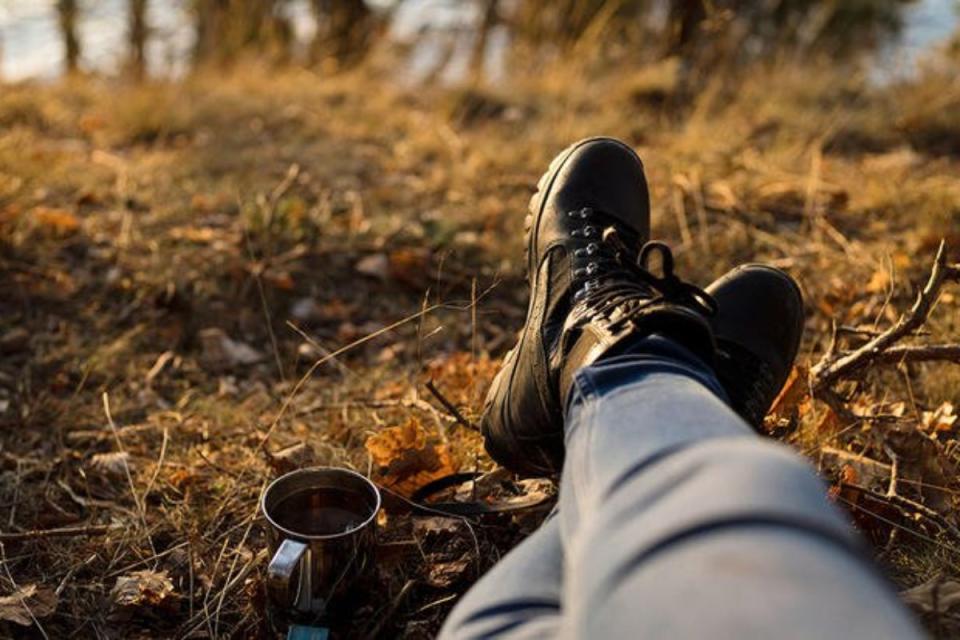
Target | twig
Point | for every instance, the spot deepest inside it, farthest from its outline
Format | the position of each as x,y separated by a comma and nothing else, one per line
920,353
62,532
73,570
391,609
156,471
908,507
449,406
831,369
322,350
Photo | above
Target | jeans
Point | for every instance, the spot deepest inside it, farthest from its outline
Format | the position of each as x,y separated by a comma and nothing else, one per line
675,520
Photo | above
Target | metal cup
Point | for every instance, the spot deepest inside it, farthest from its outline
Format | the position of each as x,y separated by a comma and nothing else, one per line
322,535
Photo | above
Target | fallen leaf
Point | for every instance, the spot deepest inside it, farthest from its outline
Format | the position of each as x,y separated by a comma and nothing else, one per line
828,424
28,599
409,266
407,458
114,463
941,419
59,221
199,235
375,266
15,339
294,457
879,281
435,529
793,393
279,279
924,464
443,575
720,196
219,351
856,469
143,592
181,478
306,310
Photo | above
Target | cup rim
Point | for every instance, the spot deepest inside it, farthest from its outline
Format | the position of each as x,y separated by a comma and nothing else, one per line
323,536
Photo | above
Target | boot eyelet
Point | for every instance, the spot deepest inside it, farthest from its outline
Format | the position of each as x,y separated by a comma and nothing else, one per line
591,269
587,251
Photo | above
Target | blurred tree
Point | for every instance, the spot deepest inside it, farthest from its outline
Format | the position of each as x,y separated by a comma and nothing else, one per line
565,22
137,37
344,30
489,18
695,25
683,24
67,13
226,28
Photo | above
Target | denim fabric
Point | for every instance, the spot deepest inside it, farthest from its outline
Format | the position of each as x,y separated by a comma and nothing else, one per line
676,521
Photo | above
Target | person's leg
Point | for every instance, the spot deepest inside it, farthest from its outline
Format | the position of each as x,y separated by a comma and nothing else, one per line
678,521
520,597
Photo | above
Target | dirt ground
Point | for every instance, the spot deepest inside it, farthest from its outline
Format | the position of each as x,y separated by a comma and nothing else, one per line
208,282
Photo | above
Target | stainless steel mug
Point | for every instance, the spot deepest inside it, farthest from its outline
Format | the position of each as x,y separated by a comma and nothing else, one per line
322,535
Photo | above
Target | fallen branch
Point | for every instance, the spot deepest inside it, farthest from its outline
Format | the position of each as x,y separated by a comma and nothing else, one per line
910,508
919,353
881,349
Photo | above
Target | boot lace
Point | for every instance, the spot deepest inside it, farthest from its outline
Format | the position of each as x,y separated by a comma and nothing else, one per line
612,279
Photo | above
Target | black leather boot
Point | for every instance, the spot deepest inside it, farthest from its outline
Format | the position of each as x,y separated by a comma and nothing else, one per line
758,330
589,295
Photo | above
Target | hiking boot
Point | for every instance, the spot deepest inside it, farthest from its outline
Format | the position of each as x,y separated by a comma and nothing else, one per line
758,330
588,296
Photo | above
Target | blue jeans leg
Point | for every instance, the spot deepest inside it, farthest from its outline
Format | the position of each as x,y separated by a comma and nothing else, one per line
677,521
519,598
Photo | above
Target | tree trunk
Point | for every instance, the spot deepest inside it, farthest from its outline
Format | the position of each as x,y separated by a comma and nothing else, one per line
137,35
67,12
343,29
491,16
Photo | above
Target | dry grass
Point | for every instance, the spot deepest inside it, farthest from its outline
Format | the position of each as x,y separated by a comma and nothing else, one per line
132,219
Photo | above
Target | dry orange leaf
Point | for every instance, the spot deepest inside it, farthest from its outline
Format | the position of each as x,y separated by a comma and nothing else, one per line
879,281
200,235
793,393
406,457
56,220
828,423
941,419
279,279
848,474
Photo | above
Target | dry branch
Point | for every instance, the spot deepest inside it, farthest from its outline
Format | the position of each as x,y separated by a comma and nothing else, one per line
881,348
911,508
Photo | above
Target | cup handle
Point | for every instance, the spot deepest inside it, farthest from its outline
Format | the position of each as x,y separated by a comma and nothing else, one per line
281,570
